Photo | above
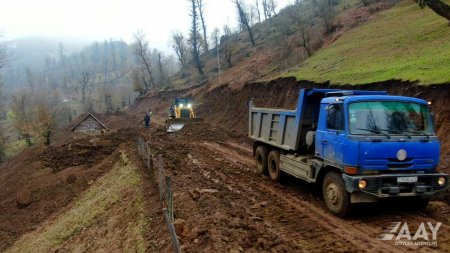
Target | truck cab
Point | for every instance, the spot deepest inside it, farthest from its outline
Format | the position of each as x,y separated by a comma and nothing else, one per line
361,146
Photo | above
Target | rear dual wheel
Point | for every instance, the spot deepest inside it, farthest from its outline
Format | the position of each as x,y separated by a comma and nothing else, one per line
273,164
268,163
261,155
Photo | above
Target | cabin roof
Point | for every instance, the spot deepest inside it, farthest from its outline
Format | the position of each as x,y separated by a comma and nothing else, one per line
85,117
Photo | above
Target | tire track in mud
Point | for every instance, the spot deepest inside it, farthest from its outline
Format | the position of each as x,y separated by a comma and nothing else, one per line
358,230
278,218
300,221
304,208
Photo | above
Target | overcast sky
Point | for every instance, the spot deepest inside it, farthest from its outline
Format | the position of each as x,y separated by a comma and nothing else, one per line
99,19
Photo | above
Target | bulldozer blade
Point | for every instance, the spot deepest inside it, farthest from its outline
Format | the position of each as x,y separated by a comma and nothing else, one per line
174,125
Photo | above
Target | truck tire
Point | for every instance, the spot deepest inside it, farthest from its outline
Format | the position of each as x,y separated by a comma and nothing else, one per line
335,196
273,165
261,155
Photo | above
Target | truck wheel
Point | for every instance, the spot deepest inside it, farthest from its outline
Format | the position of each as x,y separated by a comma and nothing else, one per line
335,195
273,165
261,154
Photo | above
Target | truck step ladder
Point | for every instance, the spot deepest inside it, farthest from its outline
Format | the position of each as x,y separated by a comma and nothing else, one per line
273,135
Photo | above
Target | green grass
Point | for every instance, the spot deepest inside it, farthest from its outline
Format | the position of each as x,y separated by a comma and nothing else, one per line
404,42
13,148
96,204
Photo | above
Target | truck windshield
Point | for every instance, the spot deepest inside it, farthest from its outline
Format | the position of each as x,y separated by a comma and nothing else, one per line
389,117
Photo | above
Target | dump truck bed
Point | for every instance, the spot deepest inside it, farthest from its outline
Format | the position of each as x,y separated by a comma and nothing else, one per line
286,129
282,128
276,127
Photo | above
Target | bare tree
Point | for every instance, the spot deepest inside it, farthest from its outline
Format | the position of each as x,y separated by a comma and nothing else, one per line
272,5
21,113
201,11
139,83
86,82
226,30
300,20
194,38
44,116
180,48
162,72
439,7
326,12
228,51
258,12
245,19
215,37
141,50
266,9
253,15
30,78
305,42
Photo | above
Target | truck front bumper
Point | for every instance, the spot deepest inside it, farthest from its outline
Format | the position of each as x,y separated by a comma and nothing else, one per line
395,185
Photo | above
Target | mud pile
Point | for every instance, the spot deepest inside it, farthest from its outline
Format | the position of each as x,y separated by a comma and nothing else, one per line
84,152
40,181
203,132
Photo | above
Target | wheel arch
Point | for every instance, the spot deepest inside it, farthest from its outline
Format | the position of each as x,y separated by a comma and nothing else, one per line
256,144
323,171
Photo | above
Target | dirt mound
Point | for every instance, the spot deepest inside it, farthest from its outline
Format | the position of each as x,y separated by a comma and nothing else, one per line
120,120
202,132
86,152
40,181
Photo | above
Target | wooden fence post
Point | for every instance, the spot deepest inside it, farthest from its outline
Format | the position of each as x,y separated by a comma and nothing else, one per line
169,197
161,176
173,235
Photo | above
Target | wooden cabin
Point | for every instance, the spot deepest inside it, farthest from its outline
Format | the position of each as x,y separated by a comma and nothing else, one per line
89,124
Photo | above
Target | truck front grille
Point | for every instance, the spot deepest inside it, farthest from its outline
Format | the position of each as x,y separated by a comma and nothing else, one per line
381,185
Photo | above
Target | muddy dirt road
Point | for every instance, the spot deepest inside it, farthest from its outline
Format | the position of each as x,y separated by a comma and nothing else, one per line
224,205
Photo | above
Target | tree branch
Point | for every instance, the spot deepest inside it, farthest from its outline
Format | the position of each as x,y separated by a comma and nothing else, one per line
440,8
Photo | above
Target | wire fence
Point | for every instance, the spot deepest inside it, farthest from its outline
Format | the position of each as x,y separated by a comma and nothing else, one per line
164,186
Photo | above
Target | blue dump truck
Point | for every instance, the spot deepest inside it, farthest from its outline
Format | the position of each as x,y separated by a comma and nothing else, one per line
358,146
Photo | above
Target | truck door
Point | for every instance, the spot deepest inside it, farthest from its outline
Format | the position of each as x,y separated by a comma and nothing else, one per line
333,136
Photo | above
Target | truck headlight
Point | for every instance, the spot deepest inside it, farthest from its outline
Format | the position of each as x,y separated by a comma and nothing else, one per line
362,184
181,105
441,181
189,105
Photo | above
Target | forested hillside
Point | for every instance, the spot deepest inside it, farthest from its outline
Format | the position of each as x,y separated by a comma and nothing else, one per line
45,84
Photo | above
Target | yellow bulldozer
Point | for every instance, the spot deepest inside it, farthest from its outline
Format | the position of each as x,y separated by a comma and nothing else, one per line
180,113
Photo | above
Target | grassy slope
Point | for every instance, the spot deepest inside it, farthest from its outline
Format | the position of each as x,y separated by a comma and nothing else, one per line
95,205
404,42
